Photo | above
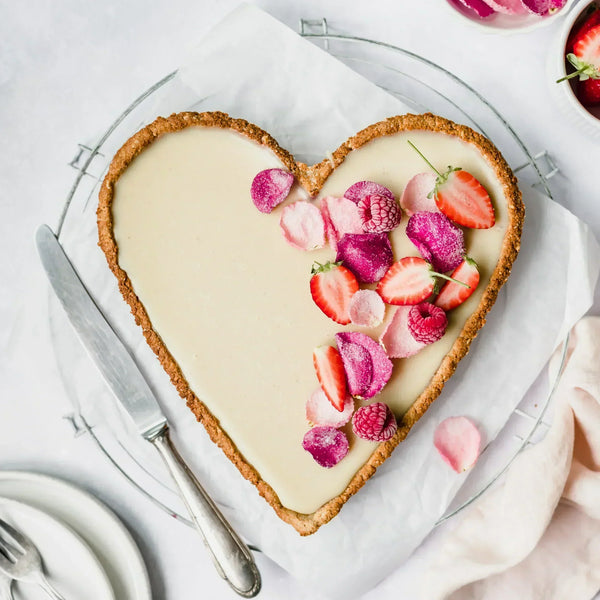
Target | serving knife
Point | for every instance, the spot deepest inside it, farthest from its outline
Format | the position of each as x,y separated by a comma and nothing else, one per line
230,555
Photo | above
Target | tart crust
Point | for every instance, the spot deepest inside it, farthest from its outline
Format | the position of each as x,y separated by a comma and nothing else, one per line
312,178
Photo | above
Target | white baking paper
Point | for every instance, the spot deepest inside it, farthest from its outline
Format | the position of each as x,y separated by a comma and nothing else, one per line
253,67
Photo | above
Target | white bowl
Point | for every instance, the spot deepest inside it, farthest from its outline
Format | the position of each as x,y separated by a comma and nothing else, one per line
508,24
587,119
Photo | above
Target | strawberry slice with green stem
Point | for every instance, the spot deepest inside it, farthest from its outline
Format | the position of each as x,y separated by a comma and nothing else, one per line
331,375
585,56
410,281
332,287
461,197
452,295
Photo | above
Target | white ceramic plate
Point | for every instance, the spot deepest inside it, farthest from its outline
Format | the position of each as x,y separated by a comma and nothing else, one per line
69,563
99,528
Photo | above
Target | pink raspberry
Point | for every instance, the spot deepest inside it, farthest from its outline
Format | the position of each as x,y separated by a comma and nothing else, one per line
374,422
379,214
427,322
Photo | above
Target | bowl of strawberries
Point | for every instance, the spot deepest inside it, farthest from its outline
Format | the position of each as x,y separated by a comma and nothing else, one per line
576,68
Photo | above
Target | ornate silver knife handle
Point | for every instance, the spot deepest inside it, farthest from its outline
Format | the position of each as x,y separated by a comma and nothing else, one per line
231,556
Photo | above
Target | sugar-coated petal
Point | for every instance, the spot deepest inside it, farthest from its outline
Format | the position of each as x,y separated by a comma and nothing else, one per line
479,7
303,226
440,242
414,196
543,7
358,365
341,217
458,441
508,7
367,255
396,339
382,365
270,188
326,444
367,308
361,189
320,411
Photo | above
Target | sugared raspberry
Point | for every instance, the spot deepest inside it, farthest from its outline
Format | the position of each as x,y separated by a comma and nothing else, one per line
374,422
379,214
427,322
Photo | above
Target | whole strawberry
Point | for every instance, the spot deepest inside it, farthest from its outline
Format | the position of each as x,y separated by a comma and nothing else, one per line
588,91
374,422
379,214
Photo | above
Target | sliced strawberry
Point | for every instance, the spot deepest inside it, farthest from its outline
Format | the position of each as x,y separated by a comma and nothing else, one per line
464,200
331,375
591,21
588,91
461,197
332,287
453,294
408,281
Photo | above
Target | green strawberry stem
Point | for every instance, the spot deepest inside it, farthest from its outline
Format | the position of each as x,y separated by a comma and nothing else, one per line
451,279
423,157
584,70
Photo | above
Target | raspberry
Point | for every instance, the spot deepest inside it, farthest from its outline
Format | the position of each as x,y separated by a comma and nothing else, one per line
427,322
379,214
374,422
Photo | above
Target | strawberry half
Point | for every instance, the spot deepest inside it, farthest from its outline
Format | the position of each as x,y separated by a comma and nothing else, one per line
453,294
585,56
588,91
591,21
408,281
332,287
331,375
461,197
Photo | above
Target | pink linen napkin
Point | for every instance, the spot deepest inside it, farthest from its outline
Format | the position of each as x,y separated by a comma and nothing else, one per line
537,535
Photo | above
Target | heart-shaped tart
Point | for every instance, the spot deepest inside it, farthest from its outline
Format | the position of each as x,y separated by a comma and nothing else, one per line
225,301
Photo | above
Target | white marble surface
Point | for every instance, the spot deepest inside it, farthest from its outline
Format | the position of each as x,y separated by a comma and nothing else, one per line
66,69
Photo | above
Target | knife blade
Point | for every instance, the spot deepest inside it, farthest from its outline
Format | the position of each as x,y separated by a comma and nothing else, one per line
231,556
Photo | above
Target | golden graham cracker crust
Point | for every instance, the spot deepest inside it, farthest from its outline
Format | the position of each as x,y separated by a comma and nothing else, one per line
312,178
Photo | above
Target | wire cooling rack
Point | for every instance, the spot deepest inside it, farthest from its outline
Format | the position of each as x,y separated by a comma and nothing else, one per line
424,87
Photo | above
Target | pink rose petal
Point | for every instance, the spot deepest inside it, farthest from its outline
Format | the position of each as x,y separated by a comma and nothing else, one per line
440,242
327,445
270,188
381,365
361,189
303,226
543,7
458,441
367,309
367,255
358,365
397,339
414,197
508,7
320,411
479,7
341,216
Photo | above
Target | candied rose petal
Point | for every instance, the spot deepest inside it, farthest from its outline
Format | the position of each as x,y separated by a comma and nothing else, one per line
303,226
414,197
508,7
374,422
397,339
270,188
367,255
320,411
326,444
479,7
382,366
458,441
439,241
361,189
367,308
358,365
341,217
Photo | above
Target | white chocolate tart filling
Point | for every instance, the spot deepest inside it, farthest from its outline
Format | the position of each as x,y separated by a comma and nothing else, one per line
231,301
